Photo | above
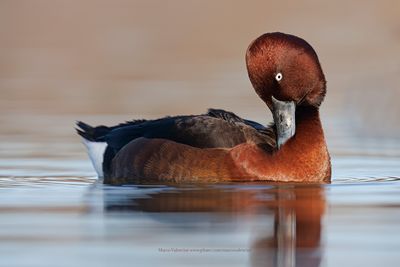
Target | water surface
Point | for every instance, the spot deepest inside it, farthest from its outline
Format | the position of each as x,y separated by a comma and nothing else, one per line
54,212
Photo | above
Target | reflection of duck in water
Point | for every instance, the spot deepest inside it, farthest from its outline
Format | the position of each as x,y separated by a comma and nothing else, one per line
220,146
295,211
297,230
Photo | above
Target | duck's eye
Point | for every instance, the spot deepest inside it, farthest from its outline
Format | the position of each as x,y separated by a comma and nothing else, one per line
278,76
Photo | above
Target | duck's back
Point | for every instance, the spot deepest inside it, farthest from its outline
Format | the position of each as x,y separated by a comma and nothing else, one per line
215,129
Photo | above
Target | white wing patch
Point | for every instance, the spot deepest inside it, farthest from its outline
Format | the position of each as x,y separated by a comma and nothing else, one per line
96,154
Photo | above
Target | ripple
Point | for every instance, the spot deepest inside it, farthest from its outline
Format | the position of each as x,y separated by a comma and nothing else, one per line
13,181
356,180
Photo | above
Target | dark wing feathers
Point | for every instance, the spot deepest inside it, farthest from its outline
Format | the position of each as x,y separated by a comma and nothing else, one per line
224,115
267,133
216,128
233,118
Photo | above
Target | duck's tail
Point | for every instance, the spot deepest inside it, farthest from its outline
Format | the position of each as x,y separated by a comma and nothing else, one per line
95,134
93,139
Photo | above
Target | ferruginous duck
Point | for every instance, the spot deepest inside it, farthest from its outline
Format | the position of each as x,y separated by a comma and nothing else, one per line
219,146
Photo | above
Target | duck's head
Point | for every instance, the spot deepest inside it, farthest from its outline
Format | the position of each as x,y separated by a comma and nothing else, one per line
286,74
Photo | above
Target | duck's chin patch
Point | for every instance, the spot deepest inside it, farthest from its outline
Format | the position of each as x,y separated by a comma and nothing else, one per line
285,120
96,154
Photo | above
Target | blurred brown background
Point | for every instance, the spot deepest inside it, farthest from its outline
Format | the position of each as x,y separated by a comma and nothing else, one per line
71,59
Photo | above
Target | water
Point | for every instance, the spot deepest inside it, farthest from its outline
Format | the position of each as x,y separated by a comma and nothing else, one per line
53,211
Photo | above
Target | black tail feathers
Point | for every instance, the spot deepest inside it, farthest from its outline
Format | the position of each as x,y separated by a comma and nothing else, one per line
94,134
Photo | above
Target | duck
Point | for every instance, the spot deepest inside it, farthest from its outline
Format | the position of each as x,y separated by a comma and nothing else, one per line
219,146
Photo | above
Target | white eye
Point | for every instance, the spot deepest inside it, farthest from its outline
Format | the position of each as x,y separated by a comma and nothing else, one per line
278,76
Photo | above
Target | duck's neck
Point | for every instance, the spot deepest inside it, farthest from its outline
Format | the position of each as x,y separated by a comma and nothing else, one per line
308,125
303,158
309,141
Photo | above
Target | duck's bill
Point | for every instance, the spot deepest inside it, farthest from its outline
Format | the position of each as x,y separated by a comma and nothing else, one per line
284,118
